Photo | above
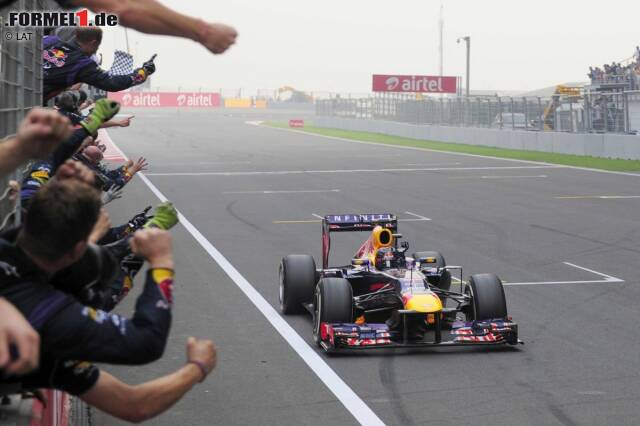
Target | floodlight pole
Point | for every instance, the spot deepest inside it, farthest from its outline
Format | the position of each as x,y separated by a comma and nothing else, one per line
467,40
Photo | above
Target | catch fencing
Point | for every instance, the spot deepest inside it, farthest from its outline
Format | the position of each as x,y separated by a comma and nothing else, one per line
598,112
20,90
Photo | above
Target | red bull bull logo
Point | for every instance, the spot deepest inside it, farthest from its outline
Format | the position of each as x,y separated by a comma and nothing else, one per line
57,57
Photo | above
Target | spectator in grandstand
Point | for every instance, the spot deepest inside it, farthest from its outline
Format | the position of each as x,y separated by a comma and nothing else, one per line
66,64
16,332
616,72
39,134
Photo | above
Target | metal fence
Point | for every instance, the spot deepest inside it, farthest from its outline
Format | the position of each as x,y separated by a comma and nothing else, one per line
20,88
612,112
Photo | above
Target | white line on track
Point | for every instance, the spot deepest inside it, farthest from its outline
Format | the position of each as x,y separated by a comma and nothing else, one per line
415,148
429,164
395,170
418,218
300,191
206,163
351,401
607,278
598,197
499,177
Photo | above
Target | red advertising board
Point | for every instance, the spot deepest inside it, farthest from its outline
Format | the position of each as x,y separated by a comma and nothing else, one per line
166,99
296,123
414,83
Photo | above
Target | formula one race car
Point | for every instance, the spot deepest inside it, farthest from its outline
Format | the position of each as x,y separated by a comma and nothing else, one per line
385,299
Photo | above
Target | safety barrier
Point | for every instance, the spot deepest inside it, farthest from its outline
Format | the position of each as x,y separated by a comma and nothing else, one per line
598,112
606,145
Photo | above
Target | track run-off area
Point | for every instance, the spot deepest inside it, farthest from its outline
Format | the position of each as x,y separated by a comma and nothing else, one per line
564,240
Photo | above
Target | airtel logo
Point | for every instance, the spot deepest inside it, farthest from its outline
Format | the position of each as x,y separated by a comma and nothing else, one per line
181,100
126,99
392,83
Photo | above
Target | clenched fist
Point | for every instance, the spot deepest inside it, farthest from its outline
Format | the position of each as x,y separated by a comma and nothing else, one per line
71,169
154,245
41,132
202,353
217,37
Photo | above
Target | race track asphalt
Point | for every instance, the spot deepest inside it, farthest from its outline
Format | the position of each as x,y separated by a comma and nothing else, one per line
243,187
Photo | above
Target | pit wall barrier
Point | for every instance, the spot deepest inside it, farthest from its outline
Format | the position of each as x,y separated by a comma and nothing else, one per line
19,410
56,412
586,144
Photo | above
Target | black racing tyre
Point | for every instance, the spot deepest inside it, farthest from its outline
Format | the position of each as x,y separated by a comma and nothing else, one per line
444,281
333,303
297,281
487,297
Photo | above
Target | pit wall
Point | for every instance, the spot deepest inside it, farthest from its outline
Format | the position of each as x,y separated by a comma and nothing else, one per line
589,144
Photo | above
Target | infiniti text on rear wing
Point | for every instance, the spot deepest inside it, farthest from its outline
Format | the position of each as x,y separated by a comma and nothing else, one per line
352,223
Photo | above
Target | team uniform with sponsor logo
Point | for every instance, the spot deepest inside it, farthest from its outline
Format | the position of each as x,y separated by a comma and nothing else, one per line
106,178
65,64
41,171
70,331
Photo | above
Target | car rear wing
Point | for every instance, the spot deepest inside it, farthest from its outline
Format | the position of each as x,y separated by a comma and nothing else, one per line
352,223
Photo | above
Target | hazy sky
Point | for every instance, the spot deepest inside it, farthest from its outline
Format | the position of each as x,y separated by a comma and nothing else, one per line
336,45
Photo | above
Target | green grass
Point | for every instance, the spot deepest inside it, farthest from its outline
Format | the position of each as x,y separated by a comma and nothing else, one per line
546,157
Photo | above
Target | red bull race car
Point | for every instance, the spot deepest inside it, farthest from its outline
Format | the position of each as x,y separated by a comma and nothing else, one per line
386,299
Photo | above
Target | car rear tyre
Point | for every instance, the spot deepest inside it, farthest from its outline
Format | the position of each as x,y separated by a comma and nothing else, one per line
297,281
443,281
333,303
487,297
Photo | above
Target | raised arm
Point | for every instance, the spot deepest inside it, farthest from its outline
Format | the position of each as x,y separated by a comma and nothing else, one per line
147,400
40,133
80,332
150,16
103,111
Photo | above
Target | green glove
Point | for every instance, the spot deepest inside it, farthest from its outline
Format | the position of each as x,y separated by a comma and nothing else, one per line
165,217
103,111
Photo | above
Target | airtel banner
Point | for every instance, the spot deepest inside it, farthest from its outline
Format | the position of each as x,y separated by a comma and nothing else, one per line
166,99
414,84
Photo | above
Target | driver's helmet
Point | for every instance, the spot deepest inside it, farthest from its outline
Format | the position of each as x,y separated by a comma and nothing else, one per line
386,257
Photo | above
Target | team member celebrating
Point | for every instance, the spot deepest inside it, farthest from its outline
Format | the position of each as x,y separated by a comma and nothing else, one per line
68,63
